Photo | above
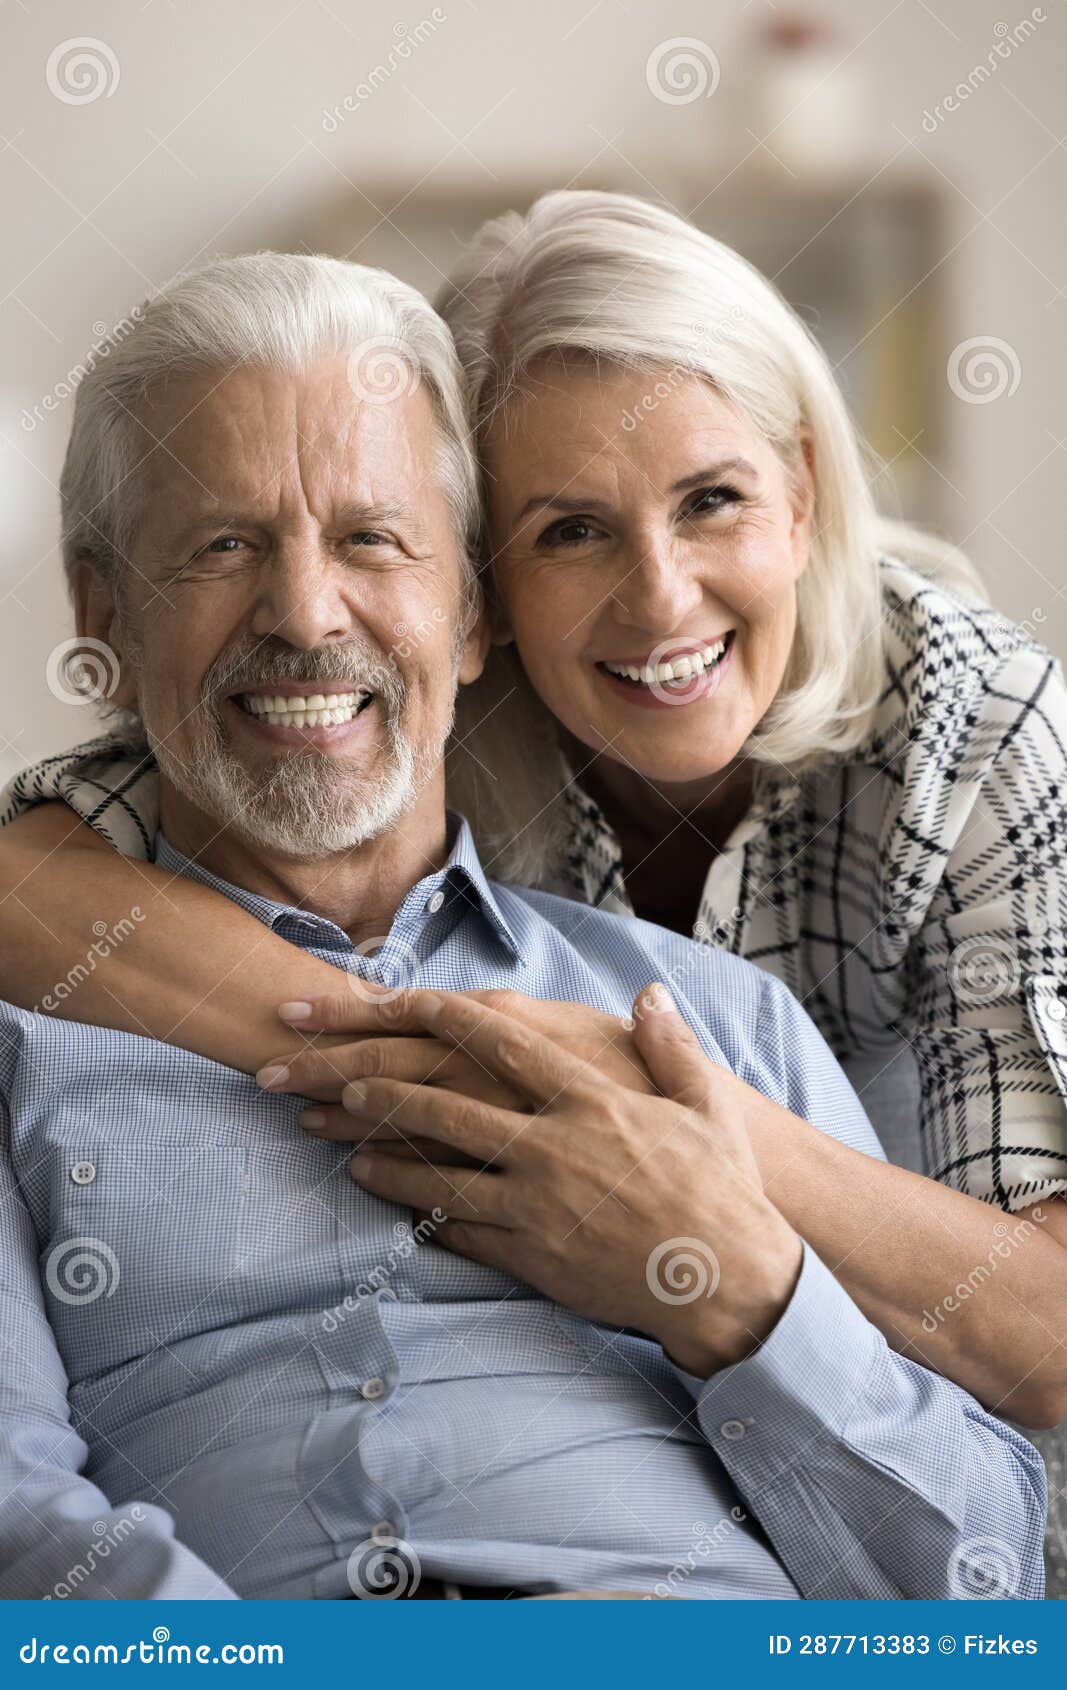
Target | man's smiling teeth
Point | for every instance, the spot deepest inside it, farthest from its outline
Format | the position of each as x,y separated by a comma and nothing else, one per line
314,710
682,668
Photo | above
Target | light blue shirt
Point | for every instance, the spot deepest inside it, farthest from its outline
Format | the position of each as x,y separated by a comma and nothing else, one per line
227,1370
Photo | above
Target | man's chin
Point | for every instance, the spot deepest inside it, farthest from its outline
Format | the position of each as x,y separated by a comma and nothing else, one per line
309,837
307,806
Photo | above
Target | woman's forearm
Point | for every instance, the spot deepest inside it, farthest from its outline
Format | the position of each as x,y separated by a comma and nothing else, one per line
951,1282
93,936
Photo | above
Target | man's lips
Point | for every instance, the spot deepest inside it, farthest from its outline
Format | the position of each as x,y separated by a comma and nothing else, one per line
302,712
295,689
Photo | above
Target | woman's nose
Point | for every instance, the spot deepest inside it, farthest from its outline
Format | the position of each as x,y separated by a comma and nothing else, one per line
657,590
300,598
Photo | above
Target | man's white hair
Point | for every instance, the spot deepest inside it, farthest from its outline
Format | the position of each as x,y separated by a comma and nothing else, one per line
632,284
278,310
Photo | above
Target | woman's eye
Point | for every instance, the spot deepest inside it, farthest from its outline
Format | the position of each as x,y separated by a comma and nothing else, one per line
711,500
568,531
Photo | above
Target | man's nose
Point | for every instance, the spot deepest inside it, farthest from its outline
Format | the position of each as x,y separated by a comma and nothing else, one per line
658,589
300,598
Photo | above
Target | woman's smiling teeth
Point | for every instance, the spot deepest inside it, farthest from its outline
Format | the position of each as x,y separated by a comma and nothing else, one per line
678,672
313,710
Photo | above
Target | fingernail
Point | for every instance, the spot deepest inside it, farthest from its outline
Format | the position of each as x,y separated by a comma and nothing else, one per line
272,1075
355,1092
312,1118
359,1165
298,1011
658,999
431,1006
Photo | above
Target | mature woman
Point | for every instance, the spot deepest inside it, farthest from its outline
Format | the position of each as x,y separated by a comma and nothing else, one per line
726,698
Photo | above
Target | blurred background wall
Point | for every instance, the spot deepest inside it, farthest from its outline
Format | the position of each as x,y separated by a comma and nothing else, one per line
899,169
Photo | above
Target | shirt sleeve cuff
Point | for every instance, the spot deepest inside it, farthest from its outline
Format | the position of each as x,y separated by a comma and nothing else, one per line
803,1381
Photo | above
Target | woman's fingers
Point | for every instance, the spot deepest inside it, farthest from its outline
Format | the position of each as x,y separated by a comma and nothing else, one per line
670,1048
323,1074
527,1061
330,1121
443,1192
686,1075
328,1069
494,1043
416,1111
359,1007
356,1008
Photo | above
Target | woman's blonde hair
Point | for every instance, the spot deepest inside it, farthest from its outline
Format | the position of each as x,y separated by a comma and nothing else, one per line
631,284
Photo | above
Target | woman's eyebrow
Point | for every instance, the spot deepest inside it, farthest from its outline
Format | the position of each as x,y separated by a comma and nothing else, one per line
713,472
558,502
699,478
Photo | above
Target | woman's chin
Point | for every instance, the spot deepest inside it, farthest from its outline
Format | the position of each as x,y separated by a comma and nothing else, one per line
664,765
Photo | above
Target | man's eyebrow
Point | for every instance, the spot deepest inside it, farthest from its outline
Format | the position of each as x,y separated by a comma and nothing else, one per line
706,475
353,515
358,514
214,521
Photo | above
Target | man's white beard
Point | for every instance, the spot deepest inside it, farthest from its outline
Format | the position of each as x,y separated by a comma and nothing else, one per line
304,806
304,803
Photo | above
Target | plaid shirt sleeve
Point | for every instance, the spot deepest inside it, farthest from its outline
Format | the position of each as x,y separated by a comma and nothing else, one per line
987,1016
111,782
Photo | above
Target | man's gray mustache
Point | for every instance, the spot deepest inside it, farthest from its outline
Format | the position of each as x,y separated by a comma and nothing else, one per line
362,671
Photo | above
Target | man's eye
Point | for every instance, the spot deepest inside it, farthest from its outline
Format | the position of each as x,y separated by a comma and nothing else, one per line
568,531
223,543
367,537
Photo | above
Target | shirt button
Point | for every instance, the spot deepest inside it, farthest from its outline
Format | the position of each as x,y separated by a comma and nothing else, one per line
732,1429
435,903
83,1173
1057,1009
372,1389
383,1529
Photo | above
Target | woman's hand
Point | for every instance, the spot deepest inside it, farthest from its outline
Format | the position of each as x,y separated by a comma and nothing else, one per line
384,1046
637,1210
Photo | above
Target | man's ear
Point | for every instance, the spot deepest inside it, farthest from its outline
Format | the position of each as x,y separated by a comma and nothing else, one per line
96,618
475,649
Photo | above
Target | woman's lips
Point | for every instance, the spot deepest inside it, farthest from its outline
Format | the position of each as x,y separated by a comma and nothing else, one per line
665,695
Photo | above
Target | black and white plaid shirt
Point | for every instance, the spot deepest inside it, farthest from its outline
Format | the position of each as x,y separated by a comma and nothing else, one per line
916,891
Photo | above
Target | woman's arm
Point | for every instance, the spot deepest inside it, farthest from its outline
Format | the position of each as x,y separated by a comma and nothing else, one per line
193,969
951,1282
93,936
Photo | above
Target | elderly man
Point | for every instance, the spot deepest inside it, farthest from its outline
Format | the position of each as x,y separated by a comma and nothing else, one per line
240,1371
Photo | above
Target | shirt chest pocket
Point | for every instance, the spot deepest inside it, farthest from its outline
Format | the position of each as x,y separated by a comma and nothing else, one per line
140,1245
157,1226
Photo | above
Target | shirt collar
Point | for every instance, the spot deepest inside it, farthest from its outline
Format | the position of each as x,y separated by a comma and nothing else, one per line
460,883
